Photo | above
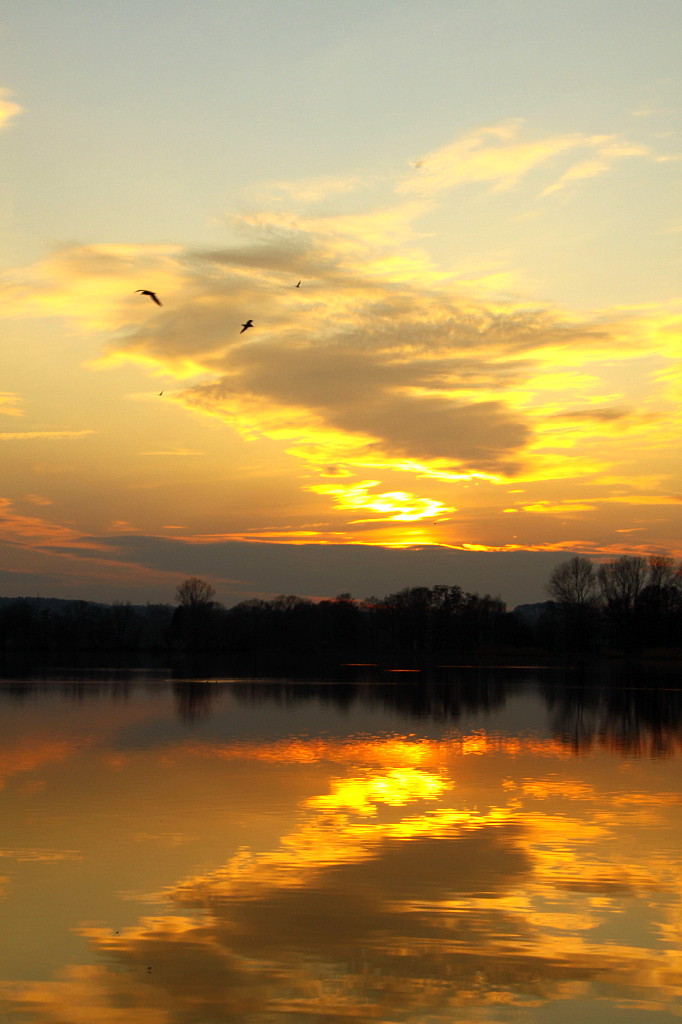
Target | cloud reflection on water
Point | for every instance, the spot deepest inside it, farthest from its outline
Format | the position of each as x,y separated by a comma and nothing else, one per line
422,877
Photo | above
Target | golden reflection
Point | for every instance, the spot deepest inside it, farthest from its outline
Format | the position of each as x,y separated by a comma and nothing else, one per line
382,751
395,788
543,788
420,878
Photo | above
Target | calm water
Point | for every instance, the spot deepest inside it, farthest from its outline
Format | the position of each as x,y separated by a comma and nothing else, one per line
486,847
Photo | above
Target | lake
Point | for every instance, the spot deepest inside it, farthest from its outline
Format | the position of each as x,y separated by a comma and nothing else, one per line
469,845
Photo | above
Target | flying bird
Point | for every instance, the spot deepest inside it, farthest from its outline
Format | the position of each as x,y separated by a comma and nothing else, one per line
245,327
298,285
152,295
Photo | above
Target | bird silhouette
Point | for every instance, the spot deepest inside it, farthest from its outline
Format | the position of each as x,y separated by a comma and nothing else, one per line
245,327
152,295
298,285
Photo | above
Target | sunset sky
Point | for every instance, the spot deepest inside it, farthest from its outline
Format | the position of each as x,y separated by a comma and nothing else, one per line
479,374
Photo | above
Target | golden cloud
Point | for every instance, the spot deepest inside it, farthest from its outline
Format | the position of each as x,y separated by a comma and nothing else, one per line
381,365
393,505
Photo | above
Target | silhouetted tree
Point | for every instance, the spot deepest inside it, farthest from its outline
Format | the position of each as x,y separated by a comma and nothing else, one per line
340,626
573,582
658,607
621,583
481,621
194,593
573,623
663,572
193,618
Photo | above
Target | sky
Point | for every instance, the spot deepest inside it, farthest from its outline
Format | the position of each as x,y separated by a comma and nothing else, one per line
479,374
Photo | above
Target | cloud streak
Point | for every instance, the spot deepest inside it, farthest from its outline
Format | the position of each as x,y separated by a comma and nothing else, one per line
50,435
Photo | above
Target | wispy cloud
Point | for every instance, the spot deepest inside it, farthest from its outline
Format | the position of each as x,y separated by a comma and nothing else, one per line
37,499
8,404
498,154
606,152
31,531
91,285
172,451
49,435
578,172
310,190
8,108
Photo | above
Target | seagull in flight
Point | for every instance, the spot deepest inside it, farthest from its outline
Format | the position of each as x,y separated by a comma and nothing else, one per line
152,295
245,327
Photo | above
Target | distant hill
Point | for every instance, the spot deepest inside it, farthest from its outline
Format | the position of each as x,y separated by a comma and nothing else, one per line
531,613
59,604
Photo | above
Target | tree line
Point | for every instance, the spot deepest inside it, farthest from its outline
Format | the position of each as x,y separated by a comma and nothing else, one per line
626,604
31,626
417,623
629,603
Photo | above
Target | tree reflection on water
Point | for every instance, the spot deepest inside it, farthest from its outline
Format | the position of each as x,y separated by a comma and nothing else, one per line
633,709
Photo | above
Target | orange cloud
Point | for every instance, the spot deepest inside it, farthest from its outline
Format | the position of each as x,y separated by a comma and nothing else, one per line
30,531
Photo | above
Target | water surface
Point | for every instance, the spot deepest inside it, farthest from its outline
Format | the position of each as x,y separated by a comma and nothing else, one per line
482,847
